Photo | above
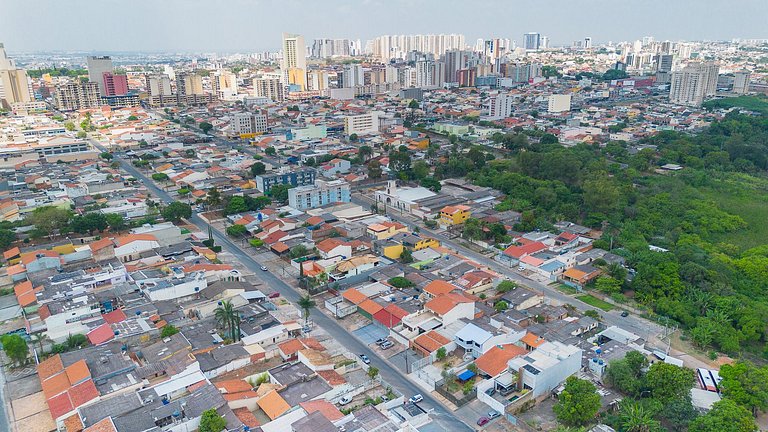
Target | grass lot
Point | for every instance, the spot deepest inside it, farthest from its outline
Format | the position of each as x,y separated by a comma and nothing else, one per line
749,200
596,302
752,103
565,289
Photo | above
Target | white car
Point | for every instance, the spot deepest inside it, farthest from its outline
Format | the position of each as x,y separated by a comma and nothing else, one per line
416,398
345,400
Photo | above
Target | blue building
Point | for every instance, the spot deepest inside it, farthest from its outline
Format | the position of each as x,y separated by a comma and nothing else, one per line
319,194
300,177
487,81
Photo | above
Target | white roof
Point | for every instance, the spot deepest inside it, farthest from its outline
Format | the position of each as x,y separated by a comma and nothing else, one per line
264,335
703,399
414,194
619,335
471,332
175,384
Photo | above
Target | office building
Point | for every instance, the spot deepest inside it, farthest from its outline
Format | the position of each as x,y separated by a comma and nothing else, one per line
559,103
454,60
664,62
466,77
115,85
501,106
326,48
75,95
361,124
532,41
425,74
294,57
741,82
300,177
97,66
398,46
15,87
319,194
270,88
189,84
247,125
587,42
693,83
544,42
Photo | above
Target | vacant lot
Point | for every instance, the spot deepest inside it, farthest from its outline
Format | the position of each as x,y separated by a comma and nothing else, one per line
596,302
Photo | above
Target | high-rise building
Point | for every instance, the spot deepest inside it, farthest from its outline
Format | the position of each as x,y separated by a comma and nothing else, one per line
532,41
224,84
425,73
319,194
559,103
544,42
270,88
741,82
693,83
500,106
158,85
249,123
75,95
389,47
455,60
352,75
325,48
664,62
294,57
97,65
587,42
15,87
317,80
361,124
189,84
115,85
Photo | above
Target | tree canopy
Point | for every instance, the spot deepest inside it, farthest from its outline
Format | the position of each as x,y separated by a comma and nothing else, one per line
176,211
578,403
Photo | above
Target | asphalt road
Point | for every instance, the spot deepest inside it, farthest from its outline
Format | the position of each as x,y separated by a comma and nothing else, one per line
391,375
637,325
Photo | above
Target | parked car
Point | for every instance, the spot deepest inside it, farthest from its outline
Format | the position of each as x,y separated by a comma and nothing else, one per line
491,391
416,398
482,421
625,314
387,345
384,398
506,391
493,414
263,268
381,341
345,400
365,359
274,295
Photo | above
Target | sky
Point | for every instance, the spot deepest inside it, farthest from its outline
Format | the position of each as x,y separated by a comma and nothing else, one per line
256,25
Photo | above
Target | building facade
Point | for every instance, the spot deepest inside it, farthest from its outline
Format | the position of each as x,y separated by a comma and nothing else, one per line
693,83
301,177
361,124
319,194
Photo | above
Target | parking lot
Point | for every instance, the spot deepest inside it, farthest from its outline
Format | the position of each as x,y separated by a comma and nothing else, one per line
370,333
404,359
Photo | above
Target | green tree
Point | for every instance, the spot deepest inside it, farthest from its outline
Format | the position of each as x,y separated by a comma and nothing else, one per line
39,339
228,319
625,374
373,372
205,127
365,152
168,331
258,169
298,251
279,192
413,104
306,304
669,382
505,286
679,414
106,156
746,384
270,151
725,416
235,205
213,197
400,282
236,230
636,418
374,169
440,354
69,126
176,211
578,403
353,137
115,222
88,223
49,220
420,170
608,285
15,348
132,118
501,306
431,183
7,237
211,421
160,177
406,257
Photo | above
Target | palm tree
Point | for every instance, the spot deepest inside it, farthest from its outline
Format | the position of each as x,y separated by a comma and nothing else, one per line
635,418
40,339
229,319
306,303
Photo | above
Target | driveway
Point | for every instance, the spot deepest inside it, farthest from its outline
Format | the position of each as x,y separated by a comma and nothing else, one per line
371,333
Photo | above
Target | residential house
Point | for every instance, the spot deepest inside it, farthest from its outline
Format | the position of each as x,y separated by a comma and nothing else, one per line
454,214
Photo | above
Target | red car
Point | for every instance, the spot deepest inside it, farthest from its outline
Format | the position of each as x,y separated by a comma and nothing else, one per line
482,421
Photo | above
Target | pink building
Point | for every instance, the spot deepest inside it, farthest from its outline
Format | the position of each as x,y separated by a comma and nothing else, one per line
115,85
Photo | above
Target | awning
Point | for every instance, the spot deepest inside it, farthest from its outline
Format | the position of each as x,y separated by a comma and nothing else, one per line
466,375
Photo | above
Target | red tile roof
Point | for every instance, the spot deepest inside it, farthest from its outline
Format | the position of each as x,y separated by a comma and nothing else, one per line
101,334
83,392
60,405
115,316
527,249
327,409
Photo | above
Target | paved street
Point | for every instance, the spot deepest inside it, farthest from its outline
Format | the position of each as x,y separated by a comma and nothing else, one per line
390,374
640,326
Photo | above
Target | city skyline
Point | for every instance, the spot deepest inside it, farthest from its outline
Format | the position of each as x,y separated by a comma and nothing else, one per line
252,26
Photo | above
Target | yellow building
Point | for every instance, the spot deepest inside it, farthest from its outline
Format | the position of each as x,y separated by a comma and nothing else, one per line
421,143
298,77
454,215
385,230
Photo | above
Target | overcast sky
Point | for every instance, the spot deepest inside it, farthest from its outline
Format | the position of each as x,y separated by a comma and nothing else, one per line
256,25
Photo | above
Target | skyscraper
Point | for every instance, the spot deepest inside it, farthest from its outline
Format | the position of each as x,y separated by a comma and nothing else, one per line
532,41
96,68
115,85
189,84
294,57
352,75
741,81
693,83
14,84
